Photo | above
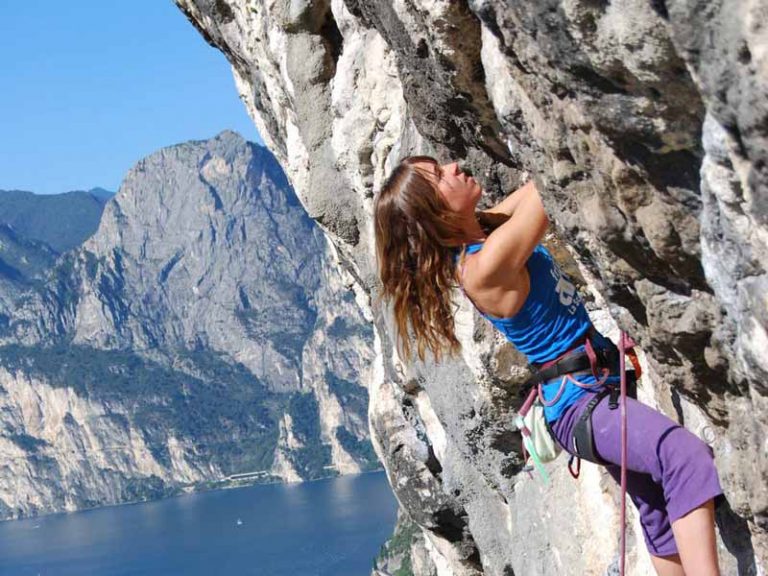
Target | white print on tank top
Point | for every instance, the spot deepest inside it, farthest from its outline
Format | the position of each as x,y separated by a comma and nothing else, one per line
566,291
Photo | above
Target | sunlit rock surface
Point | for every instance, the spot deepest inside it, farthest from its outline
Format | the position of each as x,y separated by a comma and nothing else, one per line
645,124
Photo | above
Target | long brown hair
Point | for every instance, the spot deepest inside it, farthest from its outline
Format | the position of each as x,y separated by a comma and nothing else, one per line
416,235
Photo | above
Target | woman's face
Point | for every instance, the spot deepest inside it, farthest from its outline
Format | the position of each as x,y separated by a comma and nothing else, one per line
459,190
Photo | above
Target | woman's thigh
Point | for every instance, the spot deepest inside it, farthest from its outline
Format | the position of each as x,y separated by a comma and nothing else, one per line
676,459
652,437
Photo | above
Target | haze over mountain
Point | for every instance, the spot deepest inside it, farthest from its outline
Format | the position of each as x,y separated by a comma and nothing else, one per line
63,221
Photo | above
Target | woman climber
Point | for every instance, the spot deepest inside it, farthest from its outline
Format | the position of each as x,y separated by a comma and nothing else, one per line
429,237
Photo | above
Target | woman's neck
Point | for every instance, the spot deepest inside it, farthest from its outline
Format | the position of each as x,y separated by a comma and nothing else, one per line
473,231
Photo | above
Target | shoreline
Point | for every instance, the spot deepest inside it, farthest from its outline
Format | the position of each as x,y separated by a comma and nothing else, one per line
189,490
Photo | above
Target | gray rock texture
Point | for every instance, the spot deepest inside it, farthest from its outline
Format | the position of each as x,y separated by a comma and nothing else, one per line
204,336
645,124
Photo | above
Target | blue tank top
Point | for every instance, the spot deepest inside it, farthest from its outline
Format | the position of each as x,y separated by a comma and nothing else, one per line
550,321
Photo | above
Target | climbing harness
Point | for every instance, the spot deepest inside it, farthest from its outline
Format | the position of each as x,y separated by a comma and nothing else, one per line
570,362
538,439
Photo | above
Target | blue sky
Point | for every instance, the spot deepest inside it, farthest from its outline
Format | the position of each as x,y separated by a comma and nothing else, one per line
89,87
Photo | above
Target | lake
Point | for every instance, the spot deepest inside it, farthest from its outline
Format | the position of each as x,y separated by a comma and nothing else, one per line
330,527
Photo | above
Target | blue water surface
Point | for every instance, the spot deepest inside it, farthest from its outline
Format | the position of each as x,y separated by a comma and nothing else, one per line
322,528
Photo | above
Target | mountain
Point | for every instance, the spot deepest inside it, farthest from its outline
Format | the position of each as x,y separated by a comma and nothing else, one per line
101,194
23,259
202,336
36,229
62,221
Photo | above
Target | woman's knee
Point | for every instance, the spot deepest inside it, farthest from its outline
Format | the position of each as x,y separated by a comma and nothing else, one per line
689,475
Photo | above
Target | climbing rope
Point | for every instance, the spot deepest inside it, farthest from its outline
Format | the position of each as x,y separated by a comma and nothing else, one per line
625,344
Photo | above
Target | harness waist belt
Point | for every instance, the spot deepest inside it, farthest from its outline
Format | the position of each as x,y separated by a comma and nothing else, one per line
573,362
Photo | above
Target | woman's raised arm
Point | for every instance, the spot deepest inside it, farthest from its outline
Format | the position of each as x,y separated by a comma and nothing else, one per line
509,246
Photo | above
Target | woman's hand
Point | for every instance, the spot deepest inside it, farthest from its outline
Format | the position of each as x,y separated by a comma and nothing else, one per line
509,204
489,221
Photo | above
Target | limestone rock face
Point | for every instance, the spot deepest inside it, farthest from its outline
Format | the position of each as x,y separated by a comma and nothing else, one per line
205,335
645,125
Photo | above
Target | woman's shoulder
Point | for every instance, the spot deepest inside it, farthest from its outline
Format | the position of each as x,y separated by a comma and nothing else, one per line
474,252
476,278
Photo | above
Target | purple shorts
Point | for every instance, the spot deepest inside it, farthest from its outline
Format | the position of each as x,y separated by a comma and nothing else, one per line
670,471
